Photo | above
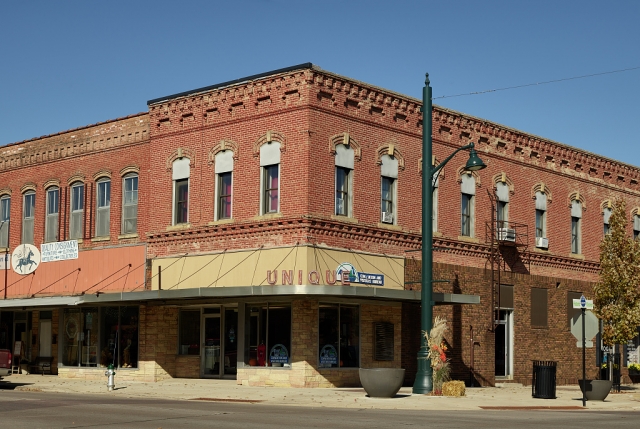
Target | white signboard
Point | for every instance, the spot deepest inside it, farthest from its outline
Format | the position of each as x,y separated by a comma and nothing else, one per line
59,251
590,328
25,259
5,262
588,304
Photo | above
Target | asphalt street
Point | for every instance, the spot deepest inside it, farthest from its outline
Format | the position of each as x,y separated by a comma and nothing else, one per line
55,410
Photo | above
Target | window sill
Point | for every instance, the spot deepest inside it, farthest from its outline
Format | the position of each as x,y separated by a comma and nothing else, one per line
96,239
542,250
268,216
389,226
221,222
4,249
468,239
178,227
344,218
126,236
435,233
577,256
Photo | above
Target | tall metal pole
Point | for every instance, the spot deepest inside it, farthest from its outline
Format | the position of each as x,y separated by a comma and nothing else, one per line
584,362
424,383
6,256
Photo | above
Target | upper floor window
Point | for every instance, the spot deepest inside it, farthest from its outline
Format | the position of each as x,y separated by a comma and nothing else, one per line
270,180
344,160
76,220
389,173
181,174
502,204
468,189
636,227
606,214
224,187
103,208
576,219
5,218
130,203
28,216
52,225
541,214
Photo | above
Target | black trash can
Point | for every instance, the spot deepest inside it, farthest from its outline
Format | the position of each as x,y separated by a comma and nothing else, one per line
543,384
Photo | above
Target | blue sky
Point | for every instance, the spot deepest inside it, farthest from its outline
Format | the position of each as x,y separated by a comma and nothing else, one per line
66,64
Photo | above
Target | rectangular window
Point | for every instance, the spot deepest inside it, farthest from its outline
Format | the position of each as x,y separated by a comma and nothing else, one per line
467,201
540,223
189,338
28,217
387,198
606,229
501,215
339,336
182,201
224,195
130,205
103,212
76,220
539,307
271,184
5,216
267,335
53,210
93,336
342,191
575,234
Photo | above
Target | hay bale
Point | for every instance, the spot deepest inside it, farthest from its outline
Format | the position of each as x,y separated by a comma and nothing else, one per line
453,388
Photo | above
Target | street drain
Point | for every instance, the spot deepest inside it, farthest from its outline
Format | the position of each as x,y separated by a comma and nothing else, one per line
248,401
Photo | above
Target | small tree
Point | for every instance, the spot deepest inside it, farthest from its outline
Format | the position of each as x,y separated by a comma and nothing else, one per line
617,300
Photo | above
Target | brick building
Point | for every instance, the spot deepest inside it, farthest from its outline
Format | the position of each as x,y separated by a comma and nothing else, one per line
268,230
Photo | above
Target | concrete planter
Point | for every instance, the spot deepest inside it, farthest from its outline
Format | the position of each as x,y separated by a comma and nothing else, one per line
597,390
381,382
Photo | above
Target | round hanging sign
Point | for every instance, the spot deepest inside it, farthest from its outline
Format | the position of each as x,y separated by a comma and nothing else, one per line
25,259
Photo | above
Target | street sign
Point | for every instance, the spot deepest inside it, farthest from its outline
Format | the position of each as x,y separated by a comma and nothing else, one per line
590,327
588,303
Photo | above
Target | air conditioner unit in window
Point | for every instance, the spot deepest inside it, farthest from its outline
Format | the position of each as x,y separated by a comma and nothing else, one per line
542,242
506,234
387,217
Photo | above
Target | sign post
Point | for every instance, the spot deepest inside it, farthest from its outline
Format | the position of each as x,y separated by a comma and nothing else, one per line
583,304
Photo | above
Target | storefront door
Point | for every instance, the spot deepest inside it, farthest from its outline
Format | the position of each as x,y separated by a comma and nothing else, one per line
210,365
504,344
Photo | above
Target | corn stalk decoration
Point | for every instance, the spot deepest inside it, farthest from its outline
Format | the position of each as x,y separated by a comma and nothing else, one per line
437,354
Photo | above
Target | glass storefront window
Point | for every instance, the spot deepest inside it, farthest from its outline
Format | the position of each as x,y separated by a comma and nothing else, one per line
95,336
339,336
189,332
268,335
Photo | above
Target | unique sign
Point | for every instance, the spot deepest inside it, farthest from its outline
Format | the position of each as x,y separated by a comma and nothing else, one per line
359,277
328,356
5,262
590,328
25,259
279,354
59,251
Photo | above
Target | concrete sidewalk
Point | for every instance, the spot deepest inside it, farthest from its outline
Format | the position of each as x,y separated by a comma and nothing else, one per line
508,397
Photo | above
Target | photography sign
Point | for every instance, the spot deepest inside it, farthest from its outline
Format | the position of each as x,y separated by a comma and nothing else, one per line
372,279
59,251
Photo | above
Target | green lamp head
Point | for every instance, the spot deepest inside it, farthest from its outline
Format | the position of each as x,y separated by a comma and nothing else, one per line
474,163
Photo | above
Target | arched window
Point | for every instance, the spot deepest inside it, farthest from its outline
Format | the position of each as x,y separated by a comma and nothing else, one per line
28,216
181,174
541,214
468,191
502,205
389,178
76,220
224,185
270,179
130,203
52,225
103,207
576,224
606,214
5,220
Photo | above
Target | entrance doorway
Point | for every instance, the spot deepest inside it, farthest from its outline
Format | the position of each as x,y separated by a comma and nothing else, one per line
219,358
504,344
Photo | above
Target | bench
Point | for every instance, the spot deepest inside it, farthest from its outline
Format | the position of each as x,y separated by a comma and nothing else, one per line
42,363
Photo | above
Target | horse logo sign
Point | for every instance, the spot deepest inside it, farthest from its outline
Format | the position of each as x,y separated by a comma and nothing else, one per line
25,259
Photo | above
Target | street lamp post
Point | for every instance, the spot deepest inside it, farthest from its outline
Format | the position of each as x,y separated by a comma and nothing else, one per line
6,254
424,383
